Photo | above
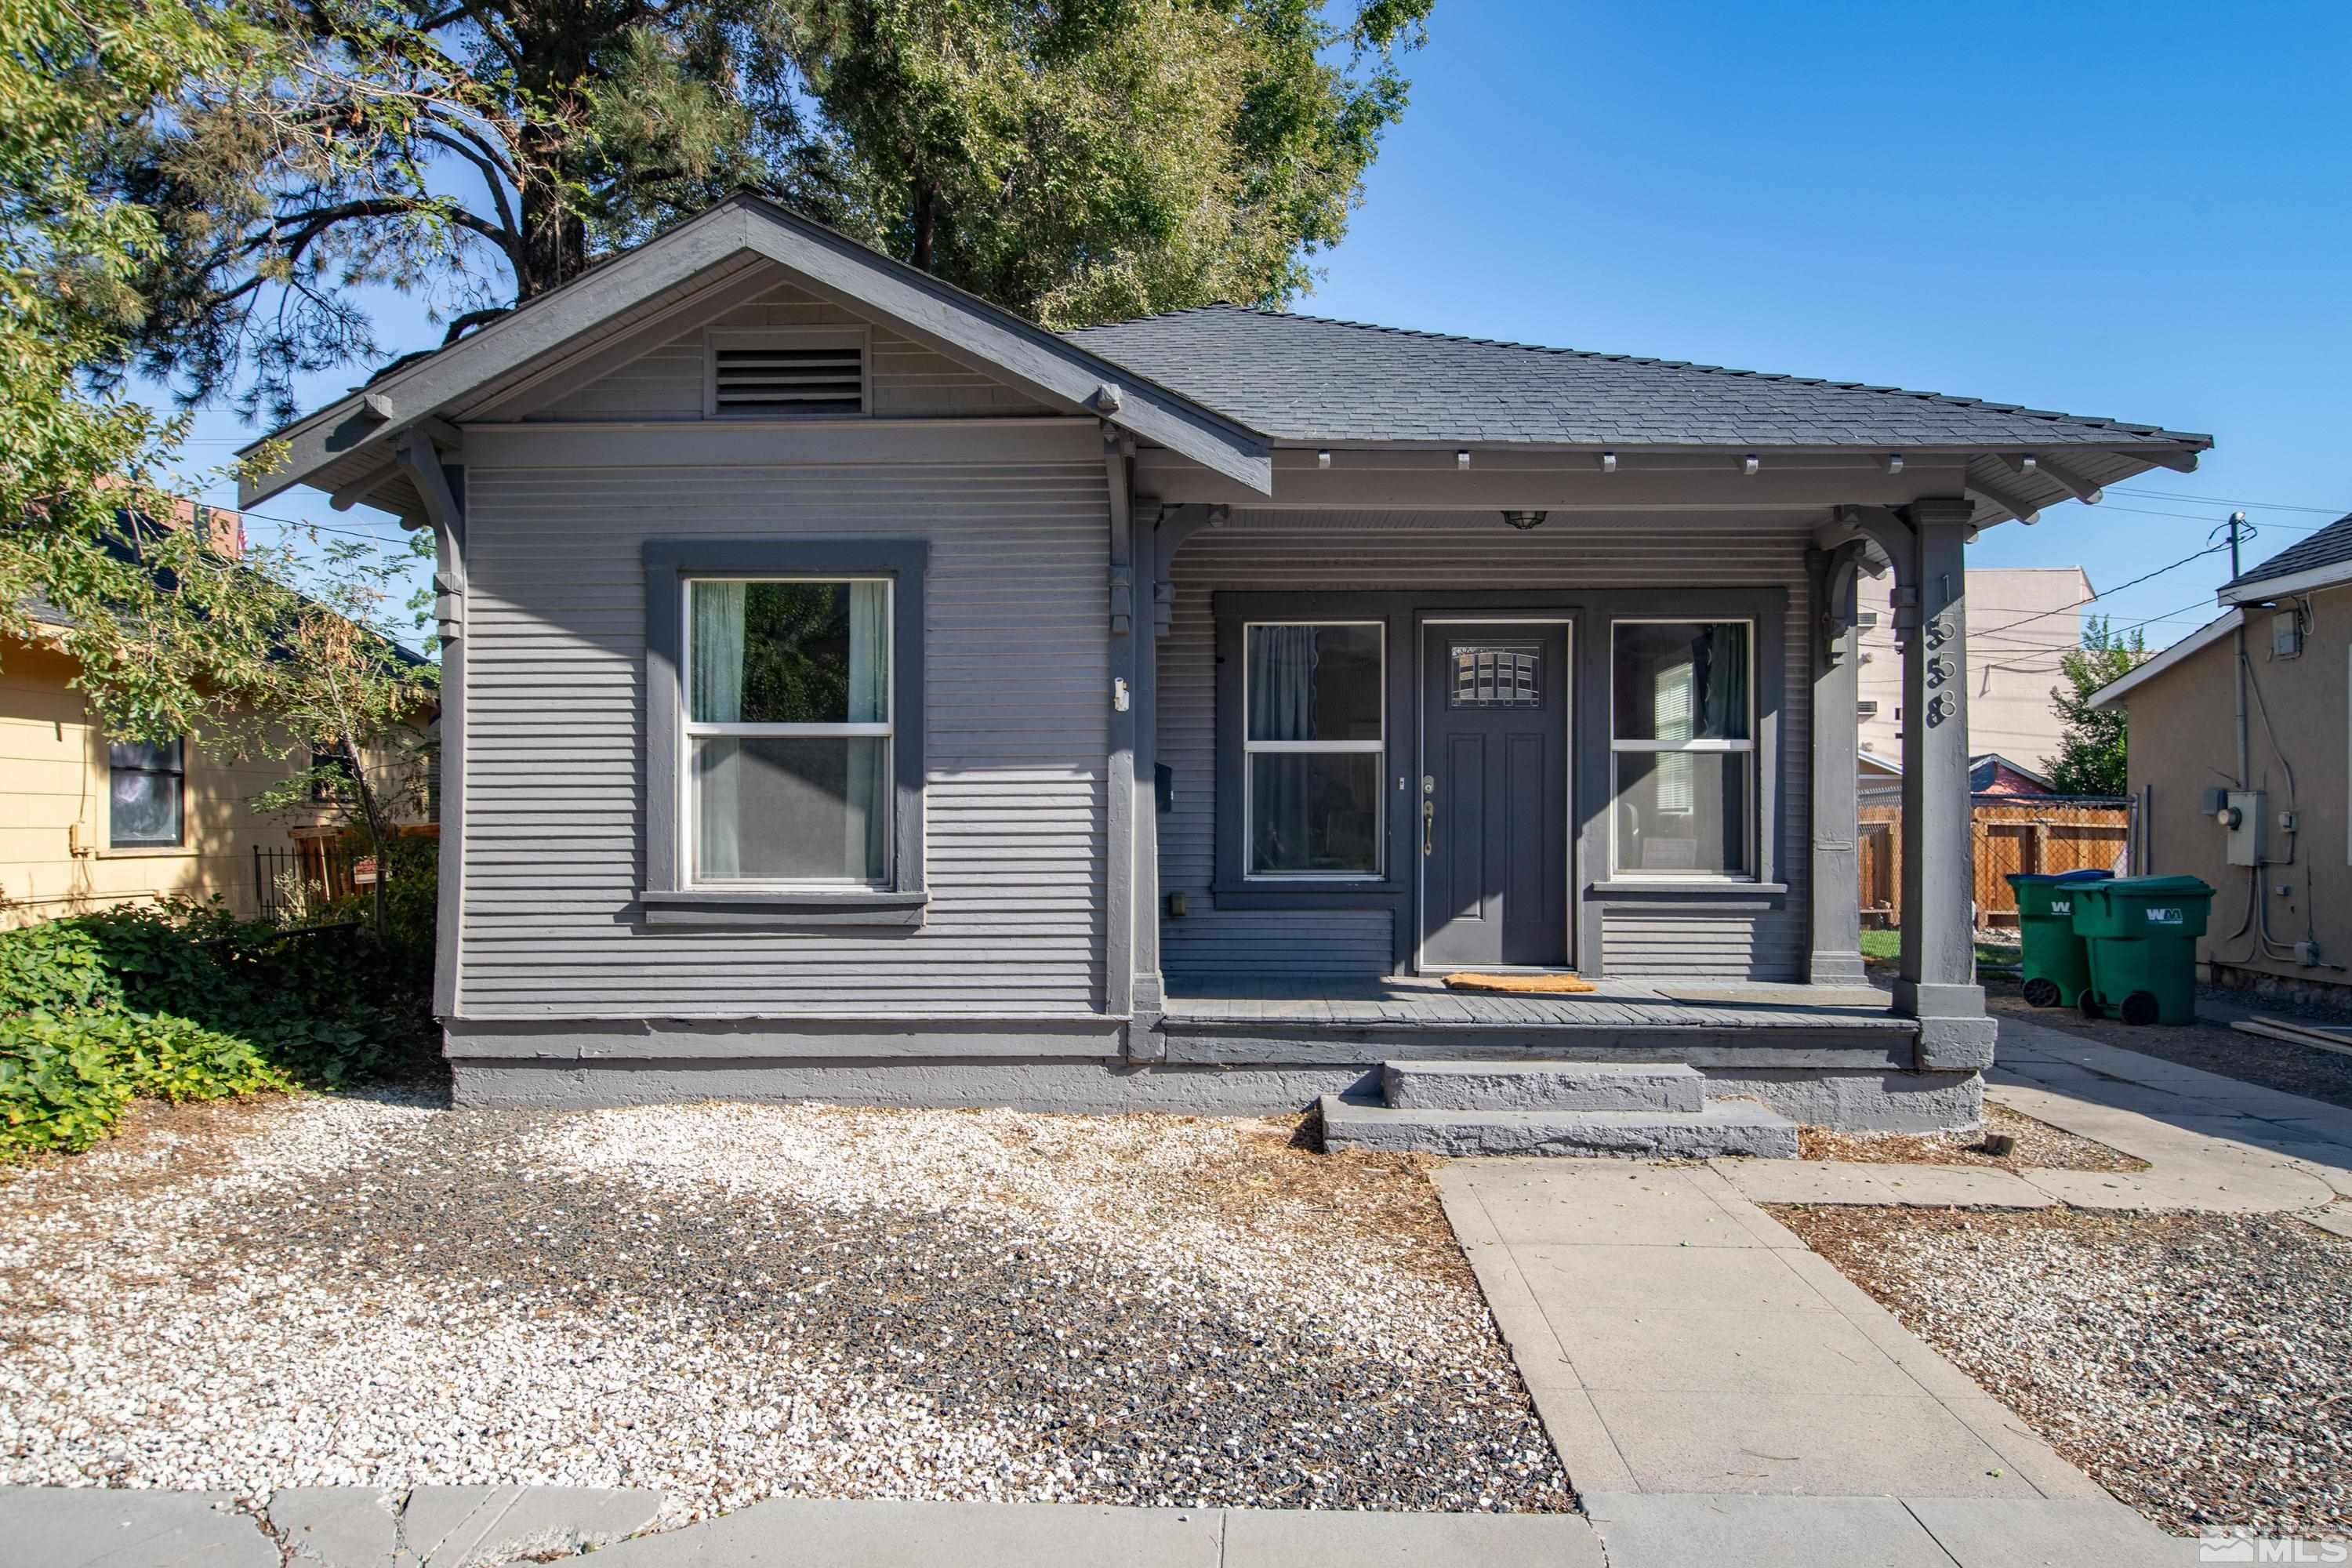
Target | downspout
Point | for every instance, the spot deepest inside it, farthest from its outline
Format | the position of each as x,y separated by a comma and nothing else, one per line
441,491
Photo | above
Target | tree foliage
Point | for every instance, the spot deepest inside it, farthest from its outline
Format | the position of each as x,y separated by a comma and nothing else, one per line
1073,159
2093,748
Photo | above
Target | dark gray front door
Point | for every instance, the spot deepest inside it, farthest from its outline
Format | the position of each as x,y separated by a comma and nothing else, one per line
1494,797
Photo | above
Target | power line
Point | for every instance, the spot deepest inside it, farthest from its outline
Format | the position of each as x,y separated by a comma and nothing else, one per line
2224,501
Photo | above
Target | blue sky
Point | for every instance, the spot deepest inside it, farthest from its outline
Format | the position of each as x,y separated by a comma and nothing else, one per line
2132,211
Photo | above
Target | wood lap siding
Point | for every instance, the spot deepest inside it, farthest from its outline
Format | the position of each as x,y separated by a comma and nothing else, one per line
909,380
1016,745
1277,551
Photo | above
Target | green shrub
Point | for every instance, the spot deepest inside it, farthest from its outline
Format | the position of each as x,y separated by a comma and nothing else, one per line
187,1002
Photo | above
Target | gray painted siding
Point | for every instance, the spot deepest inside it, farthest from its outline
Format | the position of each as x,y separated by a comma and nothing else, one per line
909,380
1016,745
1274,551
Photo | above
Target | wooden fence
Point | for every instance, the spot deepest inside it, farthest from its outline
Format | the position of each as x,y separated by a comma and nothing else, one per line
2045,834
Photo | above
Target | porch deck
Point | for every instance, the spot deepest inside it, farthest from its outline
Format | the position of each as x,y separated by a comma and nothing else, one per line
1356,1019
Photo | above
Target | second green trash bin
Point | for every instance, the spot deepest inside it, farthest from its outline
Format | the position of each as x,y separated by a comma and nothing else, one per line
2054,965
2141,935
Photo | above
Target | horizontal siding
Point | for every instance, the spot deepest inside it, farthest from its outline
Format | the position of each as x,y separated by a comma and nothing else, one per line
1276,551
1016,743
909,380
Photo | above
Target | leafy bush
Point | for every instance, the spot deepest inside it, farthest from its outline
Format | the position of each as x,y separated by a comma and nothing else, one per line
187,1002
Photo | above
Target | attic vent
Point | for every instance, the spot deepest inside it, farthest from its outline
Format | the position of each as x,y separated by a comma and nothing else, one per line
780,375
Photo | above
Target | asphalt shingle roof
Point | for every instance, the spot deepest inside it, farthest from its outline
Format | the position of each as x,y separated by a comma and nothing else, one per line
1305,378
2331,546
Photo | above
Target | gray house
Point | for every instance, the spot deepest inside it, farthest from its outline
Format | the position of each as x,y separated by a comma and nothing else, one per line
855,692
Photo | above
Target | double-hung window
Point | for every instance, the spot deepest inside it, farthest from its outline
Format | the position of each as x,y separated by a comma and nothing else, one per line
786,761
1314,745
145,787
1683,748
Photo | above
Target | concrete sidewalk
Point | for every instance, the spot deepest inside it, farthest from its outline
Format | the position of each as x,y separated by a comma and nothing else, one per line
2214,1145
89,1528
1677,1340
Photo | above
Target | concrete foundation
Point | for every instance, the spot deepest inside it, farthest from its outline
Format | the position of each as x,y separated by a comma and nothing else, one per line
1874,1102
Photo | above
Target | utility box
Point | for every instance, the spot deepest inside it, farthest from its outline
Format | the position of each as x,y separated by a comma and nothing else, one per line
2246,822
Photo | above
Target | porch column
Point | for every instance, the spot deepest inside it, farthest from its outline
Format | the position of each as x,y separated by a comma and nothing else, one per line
1937,981
1835,888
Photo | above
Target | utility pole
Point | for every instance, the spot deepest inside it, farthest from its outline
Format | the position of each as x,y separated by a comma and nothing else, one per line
2237,521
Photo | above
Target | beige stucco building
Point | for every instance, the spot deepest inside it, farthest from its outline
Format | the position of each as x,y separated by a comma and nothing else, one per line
2249,791
2022,620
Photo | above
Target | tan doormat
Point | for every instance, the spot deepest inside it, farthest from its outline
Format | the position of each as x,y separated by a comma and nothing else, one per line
1522,984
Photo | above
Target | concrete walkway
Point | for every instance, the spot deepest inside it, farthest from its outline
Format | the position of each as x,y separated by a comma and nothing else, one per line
2214,1145
1677,1340
88,1528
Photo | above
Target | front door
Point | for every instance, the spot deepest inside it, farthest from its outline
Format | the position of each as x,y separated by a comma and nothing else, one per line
1494,797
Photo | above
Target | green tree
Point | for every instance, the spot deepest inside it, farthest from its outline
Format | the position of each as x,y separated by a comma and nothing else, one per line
1073,159
2092,750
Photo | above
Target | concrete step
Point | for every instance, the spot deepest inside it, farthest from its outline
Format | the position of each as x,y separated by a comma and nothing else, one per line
1724,1127
1543,1086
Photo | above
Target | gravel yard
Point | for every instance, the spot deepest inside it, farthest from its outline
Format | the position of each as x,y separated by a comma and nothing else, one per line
2038,1144
730,1302
2199,1367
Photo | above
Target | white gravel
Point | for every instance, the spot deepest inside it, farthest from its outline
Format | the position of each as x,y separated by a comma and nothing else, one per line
2197,1366
730,1302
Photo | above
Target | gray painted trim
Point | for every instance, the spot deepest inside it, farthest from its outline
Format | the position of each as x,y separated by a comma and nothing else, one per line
1123,633
1590,615
668,561
626,1040
1766,606
444,505
737,441
948,317
1834,886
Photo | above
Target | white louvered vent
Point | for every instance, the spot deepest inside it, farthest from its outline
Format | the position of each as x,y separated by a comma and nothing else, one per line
788,373
1865,711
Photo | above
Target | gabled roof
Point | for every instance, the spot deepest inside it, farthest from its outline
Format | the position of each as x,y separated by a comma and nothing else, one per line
1985,769
2195,642
1220,385
1306,378
561,327
2319,562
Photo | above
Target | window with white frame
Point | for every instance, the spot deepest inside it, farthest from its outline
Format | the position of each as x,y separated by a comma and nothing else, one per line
1314,742
788,731
1683,748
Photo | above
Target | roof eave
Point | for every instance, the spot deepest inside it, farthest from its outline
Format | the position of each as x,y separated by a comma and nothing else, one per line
1027,354
2332,575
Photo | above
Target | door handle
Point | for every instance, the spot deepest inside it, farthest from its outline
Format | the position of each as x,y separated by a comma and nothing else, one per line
1428,814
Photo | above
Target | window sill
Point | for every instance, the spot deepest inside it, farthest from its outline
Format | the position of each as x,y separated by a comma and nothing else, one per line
1716,885
783,908
147,852
1306,892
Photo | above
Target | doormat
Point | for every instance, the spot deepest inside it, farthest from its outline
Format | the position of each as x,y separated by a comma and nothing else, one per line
1526,984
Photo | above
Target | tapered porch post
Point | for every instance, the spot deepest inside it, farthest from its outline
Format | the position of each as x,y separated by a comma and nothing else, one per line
1836,878
1937,981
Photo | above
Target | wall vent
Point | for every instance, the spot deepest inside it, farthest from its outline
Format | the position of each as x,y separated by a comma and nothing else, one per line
1865,711
787,375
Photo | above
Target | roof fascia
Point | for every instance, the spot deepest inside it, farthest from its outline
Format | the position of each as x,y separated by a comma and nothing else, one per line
2195,643
1028,354
2304,581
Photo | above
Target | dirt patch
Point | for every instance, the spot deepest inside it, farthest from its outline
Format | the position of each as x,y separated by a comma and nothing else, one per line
2195,1365
2037,1144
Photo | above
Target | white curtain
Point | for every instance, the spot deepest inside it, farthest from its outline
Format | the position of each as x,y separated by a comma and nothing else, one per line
869,703
714,694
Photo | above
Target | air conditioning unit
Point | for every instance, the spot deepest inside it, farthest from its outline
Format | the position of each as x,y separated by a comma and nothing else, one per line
1865,711
1865,619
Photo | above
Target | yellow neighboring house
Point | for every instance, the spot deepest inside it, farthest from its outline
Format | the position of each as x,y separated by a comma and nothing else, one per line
86,824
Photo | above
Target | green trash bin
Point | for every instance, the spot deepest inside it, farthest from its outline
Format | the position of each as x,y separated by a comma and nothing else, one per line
2055,967
2141,934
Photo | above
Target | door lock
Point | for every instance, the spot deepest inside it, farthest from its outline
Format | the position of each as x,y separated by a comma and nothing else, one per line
1428,814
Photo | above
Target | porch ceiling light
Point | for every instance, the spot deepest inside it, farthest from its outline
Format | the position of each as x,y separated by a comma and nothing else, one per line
1523,521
